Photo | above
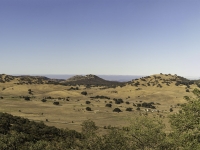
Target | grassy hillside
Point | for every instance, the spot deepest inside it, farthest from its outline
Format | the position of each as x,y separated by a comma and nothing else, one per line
165,92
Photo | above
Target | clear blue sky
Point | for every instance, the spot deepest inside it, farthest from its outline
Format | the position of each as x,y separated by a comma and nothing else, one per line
122,37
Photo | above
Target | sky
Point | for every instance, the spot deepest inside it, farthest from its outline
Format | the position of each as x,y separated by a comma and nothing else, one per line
107,37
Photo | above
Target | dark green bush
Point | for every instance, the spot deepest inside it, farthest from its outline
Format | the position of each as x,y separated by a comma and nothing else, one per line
56,103
108,105
117,110
84,93
88,109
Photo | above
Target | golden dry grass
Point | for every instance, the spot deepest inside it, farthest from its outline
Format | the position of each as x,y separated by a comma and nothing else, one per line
70,114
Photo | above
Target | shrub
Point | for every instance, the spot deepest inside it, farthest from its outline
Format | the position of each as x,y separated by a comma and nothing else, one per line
118,101
56,103
127,102
29,91
88,109
84,93
117,110
186,97
187,90
87,102
1,97
129,109
138,108
108,105
27,98
101,97
43,100
171,109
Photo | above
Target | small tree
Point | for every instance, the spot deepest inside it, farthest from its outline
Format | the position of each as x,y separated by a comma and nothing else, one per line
56,103
27,98
117,110
147,133
185,124
171,109
43,100
108,105
84,93
87,102
129,109
88,109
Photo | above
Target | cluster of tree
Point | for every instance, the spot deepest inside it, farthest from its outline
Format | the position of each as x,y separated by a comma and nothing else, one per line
100,97
72,88
118,101
147,105
19,133
185,82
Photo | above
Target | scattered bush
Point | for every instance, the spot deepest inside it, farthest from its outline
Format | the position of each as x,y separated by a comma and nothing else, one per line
129,109
88,109
118,101
101,97
27,98
30,91
87,102
186,97
72,88
43,100
127,102
171,109
108,105
117,110
84,93
138,108
56,103
148,105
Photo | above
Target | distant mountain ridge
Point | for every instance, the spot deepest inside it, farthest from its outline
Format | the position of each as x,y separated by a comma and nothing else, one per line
119,78
92,80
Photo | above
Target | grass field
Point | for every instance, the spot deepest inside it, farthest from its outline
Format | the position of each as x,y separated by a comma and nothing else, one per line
71,111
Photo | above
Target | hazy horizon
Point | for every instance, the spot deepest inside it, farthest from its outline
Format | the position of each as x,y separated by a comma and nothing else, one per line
100,37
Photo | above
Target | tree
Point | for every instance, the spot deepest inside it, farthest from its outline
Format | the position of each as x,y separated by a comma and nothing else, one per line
129,109
43,100
147,133
27,98
88,109
56,103
84,93
117,110
91,139
87,102
186,124
108,105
